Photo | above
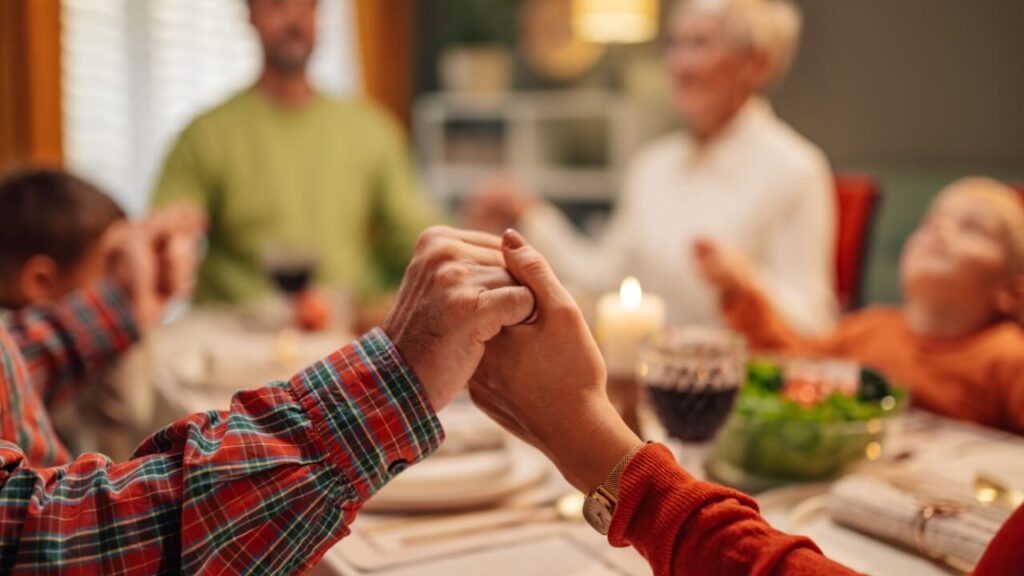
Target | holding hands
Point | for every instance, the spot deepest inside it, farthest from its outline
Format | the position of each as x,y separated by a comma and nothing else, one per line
726,269
497,204
455,297
154,259
474,309
545,381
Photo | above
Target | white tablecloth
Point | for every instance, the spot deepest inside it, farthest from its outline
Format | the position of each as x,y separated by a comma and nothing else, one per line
537,545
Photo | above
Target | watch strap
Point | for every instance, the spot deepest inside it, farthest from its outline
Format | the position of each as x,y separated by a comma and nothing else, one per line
611,484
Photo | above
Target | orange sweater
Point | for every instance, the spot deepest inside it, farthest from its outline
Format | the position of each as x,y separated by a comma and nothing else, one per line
682,526
979,377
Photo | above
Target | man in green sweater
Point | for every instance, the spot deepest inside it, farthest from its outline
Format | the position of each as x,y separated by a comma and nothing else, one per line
281,165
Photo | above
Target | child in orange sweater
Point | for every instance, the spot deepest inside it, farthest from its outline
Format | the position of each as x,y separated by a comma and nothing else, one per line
955,342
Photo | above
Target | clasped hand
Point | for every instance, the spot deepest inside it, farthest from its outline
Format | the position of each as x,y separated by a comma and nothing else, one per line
460,321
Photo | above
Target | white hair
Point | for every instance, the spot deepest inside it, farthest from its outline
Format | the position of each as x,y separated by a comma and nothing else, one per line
770,26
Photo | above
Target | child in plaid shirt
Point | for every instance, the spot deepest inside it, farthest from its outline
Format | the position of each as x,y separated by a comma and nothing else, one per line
57,236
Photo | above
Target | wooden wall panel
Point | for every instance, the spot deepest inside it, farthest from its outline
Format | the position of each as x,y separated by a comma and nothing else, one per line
386,31
30,82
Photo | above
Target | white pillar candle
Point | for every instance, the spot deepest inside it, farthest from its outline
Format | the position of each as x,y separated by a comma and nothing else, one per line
624,321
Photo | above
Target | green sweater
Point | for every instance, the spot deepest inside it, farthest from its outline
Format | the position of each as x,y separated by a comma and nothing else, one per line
332,177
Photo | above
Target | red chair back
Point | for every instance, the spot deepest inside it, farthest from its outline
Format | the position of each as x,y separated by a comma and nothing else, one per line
1019,187
858,197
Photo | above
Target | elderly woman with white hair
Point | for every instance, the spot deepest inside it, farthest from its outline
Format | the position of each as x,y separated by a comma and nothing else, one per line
738,176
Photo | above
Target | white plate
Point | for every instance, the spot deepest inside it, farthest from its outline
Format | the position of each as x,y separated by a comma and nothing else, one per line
441,475
526,468
801,510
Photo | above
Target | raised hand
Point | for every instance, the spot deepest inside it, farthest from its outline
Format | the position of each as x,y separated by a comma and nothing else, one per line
496,204
545,381
155,259
723,267
174,234
455,297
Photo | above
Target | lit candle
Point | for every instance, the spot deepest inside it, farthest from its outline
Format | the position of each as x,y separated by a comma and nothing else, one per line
624,320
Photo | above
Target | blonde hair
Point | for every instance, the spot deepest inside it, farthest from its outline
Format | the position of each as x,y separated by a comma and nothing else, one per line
770,26
1005,201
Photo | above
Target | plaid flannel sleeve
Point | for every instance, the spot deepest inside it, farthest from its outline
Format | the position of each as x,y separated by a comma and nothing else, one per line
263,488
65,344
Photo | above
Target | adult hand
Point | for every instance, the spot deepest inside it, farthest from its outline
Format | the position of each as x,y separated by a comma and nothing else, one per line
728,270
456,296
174,235
545,381
154,259
496,205
132,265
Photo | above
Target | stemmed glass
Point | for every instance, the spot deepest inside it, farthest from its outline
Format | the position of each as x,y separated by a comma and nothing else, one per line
291,268
692,376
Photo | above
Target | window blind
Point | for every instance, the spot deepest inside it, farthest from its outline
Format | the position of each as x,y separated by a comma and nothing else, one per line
136,72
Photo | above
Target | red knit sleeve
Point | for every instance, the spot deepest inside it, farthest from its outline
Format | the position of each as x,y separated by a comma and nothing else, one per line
748,311
682,526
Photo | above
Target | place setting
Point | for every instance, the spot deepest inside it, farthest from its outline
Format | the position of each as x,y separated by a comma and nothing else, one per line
483,497
212,351
829,448
879,489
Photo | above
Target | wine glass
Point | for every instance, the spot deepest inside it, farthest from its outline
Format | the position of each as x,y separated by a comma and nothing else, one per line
692,376
291,268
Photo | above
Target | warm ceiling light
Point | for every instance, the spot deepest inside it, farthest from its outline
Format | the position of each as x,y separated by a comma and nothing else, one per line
615,21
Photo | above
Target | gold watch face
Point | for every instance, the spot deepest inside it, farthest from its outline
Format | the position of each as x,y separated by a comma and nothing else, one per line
598,512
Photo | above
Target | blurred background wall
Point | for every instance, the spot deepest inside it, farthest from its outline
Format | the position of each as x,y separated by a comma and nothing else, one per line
134,73
917,92
30,98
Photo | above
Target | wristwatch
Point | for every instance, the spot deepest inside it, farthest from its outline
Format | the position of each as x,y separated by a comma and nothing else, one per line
599,505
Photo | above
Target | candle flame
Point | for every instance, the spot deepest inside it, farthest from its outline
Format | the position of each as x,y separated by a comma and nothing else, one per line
631,294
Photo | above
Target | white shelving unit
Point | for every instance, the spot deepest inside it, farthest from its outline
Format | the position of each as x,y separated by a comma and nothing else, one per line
523,128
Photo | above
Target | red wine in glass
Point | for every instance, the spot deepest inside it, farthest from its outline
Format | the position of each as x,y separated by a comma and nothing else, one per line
292,278
692,376
290,269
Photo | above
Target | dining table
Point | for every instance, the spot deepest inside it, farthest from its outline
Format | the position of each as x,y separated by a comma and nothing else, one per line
527,520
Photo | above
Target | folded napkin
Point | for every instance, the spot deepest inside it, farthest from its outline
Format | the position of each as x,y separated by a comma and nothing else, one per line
940,522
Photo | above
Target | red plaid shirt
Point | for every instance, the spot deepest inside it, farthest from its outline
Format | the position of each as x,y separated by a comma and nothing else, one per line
263,488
